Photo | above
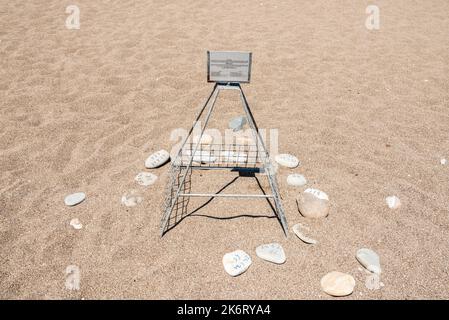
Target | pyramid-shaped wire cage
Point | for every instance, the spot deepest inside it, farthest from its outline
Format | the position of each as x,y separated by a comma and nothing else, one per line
249,155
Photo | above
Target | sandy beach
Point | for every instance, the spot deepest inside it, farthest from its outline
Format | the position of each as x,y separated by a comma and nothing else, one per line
365,111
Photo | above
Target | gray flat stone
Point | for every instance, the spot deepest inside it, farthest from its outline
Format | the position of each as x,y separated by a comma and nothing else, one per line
74,198
369,259
272,252
237,123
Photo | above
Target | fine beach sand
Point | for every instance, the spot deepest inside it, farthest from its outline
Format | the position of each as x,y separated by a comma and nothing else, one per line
366,112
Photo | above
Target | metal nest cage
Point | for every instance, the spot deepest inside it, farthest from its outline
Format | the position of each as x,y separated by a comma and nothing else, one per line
248,156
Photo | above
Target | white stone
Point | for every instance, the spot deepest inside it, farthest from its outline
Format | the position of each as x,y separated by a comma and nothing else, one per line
369,259
72,281
75,223
74,198
372,282
131,199
231,156
393,202
317,193
237,123
338,284
272,252
296,180
297,230
201,156
205,139
145,178
443,162
287,160
245,138
313,203
157,159
236,262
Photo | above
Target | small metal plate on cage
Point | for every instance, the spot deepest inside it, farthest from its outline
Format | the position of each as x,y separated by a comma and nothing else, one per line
228,66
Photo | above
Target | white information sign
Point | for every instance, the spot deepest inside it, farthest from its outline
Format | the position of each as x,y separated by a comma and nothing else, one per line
228,66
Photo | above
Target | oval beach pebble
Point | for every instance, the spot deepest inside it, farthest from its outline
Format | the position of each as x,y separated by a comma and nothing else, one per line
272,252
74,198
236,262
297,230
287,160
313,203
338,284
296,180
157,159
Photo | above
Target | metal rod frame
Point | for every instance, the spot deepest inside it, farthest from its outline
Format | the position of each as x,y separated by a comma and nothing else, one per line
225,195
178,166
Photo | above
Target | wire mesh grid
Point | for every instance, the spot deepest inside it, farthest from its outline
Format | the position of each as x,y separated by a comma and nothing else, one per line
221,155
180,207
